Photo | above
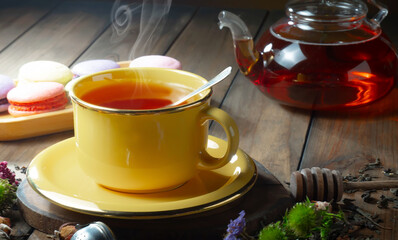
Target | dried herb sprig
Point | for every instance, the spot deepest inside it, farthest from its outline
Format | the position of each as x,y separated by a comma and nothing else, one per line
8,187
306,220
7,195
348,205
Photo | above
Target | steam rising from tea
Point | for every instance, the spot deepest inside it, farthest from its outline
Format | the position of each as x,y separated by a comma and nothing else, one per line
151,16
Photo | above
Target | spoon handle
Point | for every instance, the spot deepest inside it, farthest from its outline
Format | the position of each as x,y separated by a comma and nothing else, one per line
209,84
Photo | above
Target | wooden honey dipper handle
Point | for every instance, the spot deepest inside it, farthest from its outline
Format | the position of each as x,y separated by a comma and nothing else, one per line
368,185
322,184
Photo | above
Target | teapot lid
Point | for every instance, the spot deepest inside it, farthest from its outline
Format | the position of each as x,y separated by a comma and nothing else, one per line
328,22
326,11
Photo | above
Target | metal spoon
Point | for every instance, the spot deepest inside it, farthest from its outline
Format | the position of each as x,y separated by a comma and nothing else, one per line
209,84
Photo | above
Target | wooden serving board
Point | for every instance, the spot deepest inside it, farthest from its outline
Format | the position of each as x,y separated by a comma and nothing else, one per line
266,202
13,128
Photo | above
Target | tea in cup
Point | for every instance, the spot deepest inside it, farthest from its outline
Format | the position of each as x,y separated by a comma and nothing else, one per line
127,137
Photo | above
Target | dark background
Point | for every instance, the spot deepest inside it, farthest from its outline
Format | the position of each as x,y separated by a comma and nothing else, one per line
264,4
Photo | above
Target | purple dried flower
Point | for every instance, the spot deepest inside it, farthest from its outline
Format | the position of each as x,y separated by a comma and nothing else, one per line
236,227
5,173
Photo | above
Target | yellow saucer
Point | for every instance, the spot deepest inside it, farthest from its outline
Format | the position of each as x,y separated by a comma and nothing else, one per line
54,173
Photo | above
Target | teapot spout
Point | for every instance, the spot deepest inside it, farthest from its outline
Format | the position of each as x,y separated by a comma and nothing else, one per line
245,53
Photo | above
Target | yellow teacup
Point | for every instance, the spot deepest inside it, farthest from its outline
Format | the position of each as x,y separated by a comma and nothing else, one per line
145,150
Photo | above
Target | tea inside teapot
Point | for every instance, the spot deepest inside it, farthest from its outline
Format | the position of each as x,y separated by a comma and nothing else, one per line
322,55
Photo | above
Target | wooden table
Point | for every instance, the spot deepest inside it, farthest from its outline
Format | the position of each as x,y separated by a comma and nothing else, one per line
281,138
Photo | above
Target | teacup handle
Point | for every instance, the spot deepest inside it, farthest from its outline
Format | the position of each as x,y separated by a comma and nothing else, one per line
209,162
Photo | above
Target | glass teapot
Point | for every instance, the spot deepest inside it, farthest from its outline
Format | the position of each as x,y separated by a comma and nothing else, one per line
322,55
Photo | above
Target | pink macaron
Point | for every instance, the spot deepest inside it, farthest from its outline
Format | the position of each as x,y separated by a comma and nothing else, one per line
6,84
33,98
156,61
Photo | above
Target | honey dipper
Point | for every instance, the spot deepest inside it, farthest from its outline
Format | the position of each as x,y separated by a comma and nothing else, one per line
323,184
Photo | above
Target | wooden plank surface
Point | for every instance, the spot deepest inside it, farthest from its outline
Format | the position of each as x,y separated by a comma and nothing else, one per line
111,45
17,17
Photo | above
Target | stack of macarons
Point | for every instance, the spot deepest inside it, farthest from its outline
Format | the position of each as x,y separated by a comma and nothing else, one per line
39,88
41,85
6,84
37,97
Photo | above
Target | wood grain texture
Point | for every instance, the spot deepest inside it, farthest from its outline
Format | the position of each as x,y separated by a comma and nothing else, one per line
347,141
118,46
61,36
21,152
17,17
272,134
12,128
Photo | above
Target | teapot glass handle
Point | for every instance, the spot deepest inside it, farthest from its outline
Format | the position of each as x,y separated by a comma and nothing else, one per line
383,11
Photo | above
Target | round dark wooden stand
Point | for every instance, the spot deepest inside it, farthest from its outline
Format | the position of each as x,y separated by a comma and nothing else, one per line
266,202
